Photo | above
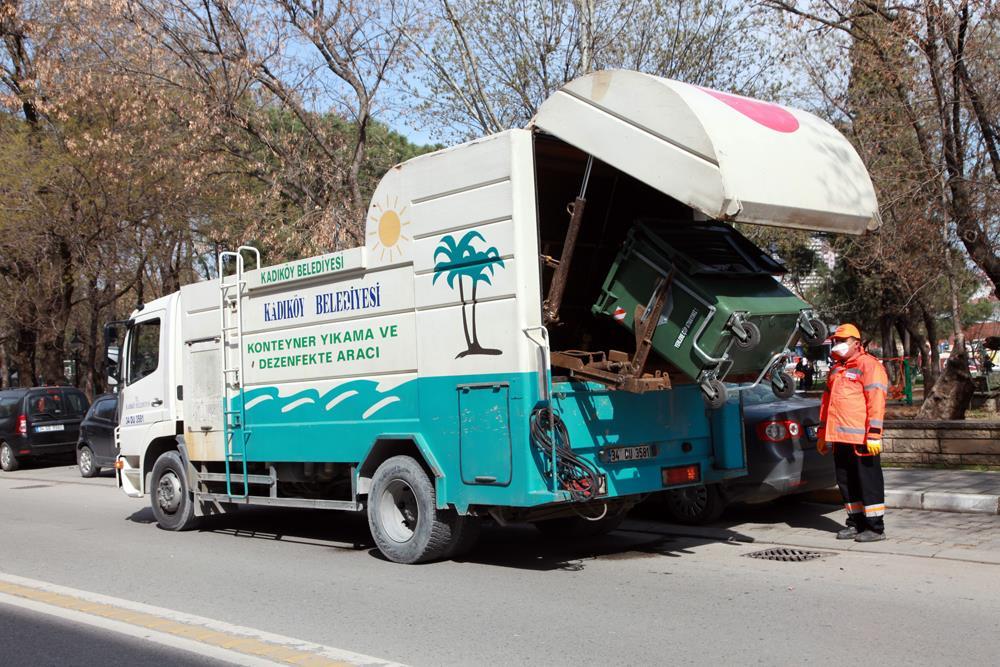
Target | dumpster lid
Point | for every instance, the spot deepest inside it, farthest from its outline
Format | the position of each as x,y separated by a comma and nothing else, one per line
729,157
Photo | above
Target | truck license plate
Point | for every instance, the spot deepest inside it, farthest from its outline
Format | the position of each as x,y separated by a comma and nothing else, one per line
629,454
46,429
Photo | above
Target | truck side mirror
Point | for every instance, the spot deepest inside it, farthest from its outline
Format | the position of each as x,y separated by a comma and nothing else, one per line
112,352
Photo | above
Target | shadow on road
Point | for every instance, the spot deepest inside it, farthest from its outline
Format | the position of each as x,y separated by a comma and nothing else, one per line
519,546
792,514
523,547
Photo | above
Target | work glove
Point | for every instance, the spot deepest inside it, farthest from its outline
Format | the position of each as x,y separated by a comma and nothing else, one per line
822,446
874,446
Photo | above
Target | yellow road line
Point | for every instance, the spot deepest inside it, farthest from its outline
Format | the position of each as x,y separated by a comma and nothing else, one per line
231,642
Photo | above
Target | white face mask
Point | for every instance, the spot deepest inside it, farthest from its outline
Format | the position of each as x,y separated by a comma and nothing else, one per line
840,350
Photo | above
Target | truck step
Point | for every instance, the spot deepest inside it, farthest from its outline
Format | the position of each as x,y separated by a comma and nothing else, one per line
346,505
235,478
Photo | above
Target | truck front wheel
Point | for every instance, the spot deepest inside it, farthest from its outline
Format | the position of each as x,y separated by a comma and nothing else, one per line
403,515
171,498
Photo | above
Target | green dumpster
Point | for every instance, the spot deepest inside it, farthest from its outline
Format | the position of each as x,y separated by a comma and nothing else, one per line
722,315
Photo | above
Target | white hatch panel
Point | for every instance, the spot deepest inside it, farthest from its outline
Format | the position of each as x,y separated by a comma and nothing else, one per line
729,157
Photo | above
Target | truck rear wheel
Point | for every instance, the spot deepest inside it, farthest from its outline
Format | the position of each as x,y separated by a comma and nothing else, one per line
173,505
403,515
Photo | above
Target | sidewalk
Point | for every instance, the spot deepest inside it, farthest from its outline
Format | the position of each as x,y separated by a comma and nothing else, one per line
945,535
965,491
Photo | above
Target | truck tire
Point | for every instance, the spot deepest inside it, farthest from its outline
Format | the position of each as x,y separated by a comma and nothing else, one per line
403,516
578,527
694,505
8,462
85,461
170,496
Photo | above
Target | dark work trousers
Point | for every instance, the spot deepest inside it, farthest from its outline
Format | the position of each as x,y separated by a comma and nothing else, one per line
862,486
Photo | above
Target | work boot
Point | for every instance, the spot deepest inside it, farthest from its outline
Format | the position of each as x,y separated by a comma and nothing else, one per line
848,533
869,536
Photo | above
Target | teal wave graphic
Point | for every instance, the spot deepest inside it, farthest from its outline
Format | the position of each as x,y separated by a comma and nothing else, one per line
359,400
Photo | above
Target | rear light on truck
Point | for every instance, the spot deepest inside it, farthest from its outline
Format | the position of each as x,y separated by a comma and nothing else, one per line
681,475
22,425
778,430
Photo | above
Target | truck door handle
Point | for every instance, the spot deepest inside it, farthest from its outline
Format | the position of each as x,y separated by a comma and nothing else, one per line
156,402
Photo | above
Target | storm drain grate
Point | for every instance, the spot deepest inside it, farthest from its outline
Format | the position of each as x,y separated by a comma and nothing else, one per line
786,555
31,486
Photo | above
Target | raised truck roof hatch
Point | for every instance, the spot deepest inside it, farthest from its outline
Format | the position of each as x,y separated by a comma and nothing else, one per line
728,157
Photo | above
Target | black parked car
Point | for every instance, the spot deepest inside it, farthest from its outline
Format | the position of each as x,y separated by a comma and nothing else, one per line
781,459
39,422
96,448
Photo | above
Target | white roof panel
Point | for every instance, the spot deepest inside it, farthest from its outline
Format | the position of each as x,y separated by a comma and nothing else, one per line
729,157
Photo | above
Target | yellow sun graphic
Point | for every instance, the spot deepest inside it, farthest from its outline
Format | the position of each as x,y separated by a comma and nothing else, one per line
388,232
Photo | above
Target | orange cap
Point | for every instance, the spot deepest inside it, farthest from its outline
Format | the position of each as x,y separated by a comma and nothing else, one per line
847,331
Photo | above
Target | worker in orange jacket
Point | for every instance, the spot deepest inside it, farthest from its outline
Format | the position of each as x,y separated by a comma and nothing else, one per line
851,423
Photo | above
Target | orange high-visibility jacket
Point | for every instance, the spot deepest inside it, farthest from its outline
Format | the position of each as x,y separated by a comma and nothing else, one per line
854,401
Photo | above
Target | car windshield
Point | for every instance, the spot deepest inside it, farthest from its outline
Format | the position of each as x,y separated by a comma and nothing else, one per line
76,403
8,406
762,393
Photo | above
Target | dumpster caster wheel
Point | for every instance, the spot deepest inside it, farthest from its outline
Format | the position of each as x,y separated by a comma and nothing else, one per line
782,385
752,339
715,394
820,330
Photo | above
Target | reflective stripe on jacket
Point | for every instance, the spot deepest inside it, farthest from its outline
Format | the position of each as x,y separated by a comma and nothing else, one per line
854,401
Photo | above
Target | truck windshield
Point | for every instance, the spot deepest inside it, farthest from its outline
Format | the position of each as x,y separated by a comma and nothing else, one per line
144,350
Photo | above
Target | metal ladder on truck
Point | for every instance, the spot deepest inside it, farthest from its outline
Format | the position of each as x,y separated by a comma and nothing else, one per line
234,424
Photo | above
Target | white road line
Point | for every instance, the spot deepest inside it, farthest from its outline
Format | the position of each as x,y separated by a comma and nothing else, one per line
321,650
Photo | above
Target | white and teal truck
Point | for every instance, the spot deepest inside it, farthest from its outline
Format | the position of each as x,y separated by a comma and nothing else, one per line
413,377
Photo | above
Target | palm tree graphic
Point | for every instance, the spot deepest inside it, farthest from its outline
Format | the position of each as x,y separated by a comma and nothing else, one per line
462,260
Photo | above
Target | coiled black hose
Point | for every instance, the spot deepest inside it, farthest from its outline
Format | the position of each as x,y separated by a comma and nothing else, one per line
575,474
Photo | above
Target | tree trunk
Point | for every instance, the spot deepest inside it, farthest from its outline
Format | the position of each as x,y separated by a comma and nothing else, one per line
888,346
952,393
3,366
930,324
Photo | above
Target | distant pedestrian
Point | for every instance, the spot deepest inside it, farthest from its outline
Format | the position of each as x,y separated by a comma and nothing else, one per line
809,373
800,372
851,422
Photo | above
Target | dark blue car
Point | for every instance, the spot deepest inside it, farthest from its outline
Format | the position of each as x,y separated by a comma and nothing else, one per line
781,459
96,448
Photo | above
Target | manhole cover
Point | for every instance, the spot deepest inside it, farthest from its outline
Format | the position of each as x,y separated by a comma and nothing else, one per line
31,486
787,555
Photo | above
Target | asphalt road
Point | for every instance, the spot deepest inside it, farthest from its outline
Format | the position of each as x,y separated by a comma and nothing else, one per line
635,597
40,640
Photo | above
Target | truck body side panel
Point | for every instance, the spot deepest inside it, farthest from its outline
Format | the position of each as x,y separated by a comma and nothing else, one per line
423,334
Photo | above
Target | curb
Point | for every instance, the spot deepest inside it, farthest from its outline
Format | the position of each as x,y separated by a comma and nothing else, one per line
937,501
